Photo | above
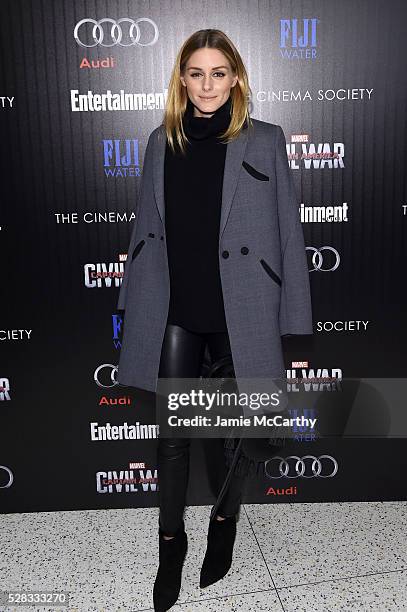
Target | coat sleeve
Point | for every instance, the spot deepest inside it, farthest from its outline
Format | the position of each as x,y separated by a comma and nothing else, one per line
295,315
121,302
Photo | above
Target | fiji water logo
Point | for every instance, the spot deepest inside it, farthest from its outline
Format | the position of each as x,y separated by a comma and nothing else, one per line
121,158
302,432
298,38
117,329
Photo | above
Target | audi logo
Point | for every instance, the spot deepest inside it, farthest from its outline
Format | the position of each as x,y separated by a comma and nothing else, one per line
9,476
111,378
317,258
314,464
116,32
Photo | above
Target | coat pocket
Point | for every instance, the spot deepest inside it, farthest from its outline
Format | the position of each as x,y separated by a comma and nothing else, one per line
137,249
255,173
271,272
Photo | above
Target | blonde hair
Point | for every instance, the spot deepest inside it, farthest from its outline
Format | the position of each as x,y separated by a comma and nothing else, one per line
178,97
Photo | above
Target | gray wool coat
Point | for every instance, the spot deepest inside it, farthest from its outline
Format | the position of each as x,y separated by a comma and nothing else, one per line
262,259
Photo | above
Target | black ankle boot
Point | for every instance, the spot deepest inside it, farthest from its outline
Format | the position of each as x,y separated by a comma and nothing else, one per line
219,552
167,584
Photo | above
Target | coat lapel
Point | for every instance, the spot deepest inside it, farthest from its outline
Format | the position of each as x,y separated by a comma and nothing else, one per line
234,156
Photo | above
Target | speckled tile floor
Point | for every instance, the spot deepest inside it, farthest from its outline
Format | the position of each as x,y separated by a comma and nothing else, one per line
288,557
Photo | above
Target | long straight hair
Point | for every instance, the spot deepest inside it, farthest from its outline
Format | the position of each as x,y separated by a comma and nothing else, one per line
178,97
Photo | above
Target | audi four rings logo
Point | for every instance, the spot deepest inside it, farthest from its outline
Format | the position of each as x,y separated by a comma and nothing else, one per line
109,374
317,258
116,32
9,476
315,464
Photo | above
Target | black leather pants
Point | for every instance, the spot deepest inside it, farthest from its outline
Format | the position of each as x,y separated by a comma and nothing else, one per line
181,357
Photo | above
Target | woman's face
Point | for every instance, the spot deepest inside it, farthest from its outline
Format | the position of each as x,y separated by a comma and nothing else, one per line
208,78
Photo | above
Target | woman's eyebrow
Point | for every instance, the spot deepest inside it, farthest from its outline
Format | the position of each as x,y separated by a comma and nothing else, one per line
215,68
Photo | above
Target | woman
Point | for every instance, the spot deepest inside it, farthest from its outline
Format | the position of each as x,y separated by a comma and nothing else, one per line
228,242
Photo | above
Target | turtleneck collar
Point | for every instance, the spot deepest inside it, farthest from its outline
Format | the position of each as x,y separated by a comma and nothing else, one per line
200,128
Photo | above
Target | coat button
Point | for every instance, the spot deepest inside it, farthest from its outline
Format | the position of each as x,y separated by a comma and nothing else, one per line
151,235
225,254
244,250
161,237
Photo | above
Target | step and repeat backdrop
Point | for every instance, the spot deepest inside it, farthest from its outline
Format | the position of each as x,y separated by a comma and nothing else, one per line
82,86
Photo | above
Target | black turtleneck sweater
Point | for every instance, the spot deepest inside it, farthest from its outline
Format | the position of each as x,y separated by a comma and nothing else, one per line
193,196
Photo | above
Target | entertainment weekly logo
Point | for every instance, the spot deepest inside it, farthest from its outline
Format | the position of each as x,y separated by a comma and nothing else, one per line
94,102
337,213
302,153
125,431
